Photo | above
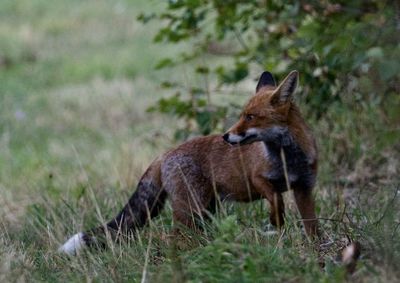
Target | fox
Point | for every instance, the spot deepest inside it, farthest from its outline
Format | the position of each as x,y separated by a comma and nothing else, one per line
267,152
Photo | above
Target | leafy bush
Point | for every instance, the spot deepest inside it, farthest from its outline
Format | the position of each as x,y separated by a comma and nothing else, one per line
346,48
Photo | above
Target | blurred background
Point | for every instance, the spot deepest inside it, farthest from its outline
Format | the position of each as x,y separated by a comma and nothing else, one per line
92,91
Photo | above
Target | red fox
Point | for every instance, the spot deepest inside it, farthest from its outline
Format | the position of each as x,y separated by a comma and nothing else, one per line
268,151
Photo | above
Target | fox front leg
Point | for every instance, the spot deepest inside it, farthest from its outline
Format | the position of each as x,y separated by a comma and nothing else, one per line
306,205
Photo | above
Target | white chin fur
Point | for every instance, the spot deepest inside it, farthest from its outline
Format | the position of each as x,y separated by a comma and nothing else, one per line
252,131
73,245
234,138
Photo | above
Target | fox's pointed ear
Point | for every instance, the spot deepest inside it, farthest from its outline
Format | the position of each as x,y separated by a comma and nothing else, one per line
266,79
284,91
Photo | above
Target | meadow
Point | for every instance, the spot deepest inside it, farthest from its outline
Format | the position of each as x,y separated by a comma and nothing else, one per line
76,78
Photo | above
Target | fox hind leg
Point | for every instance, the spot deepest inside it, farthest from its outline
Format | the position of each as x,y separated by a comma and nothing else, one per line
190,201
275,199
277,210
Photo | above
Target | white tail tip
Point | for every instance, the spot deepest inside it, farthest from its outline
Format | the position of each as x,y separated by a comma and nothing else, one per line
73,245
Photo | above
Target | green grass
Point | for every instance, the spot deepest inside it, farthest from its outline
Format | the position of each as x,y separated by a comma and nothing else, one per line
76,78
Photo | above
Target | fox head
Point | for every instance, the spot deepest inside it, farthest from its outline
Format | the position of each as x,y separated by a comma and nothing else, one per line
266,113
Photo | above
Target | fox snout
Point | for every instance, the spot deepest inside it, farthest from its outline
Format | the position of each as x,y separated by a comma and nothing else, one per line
232,139
278,135
226,137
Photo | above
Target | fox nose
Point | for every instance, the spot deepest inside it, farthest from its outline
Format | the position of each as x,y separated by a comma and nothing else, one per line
226,137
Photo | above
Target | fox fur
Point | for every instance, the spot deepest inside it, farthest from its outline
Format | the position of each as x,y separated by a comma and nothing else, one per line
268,151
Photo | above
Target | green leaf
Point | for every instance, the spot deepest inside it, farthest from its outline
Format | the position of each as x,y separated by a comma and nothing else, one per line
375,52
204,121
166,62
388,69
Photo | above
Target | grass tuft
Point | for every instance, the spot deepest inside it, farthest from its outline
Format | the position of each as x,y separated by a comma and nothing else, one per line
75,138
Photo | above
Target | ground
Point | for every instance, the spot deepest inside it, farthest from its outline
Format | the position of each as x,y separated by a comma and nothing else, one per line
75,137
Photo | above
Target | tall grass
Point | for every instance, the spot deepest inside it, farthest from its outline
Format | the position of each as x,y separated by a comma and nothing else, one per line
76,79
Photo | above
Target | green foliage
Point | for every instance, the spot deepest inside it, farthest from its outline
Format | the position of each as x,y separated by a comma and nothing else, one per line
196,109
346,48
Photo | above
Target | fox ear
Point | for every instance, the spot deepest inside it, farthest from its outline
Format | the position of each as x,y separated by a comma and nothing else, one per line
284,91
266,79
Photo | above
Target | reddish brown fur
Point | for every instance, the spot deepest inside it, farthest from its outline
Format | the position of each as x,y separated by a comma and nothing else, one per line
268,115
221,170
201,170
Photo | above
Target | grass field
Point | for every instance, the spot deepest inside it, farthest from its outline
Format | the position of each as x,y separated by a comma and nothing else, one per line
76,78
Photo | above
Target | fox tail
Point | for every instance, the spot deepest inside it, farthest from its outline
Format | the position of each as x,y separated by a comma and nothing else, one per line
145,203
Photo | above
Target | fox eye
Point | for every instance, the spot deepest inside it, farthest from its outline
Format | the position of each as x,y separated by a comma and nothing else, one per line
249,117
